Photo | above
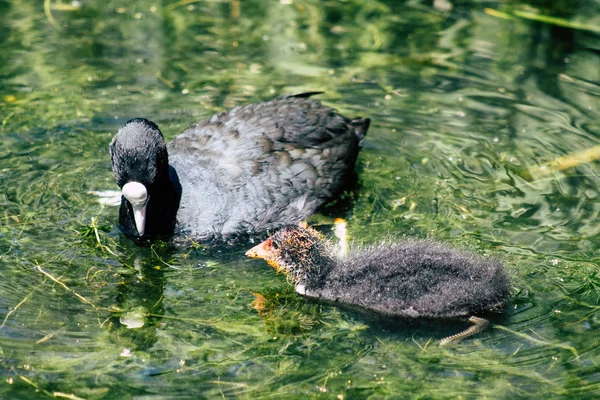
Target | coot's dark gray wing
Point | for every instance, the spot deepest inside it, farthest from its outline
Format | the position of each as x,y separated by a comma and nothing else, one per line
263,165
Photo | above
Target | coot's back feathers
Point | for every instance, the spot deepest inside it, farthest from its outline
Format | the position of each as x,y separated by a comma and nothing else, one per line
263,165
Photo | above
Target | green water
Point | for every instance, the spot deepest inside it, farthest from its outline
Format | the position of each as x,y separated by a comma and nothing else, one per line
468,107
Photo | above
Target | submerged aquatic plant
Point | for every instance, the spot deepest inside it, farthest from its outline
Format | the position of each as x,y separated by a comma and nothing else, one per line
284,313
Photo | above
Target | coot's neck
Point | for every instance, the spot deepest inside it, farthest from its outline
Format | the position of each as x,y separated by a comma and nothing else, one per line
315,271
163,204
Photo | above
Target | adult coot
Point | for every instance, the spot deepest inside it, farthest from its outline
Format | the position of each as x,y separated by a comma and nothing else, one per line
411,279
253,168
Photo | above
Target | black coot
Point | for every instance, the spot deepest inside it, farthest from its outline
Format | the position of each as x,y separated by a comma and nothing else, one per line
253,168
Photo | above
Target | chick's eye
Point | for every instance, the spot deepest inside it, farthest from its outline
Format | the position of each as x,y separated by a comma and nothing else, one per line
268,245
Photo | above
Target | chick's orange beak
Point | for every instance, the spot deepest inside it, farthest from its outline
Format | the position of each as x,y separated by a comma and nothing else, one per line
262,250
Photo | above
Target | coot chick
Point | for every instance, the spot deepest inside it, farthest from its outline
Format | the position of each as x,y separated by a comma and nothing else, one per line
257,167
410,279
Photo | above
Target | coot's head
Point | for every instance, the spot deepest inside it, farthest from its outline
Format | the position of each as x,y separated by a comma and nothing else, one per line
140,163
294,250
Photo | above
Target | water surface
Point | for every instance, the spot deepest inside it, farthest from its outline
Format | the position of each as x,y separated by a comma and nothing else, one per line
485,124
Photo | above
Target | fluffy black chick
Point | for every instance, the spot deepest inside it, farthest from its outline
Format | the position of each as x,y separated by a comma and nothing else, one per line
409,279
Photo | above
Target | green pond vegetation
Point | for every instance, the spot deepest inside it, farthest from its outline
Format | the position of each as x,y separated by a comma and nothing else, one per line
485,134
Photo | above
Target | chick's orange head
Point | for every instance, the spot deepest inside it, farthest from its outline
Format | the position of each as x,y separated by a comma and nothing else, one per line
263,250
266,251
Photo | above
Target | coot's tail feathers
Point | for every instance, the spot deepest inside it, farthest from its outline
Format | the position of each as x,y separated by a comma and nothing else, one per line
305,95
361,126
